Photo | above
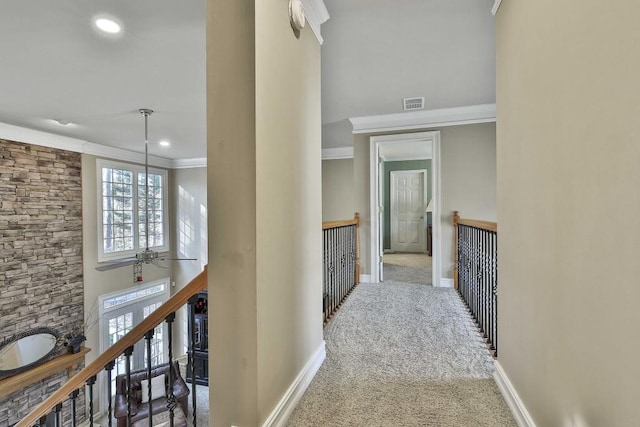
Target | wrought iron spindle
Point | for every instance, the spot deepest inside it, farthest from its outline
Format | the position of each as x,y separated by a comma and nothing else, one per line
148,337
90,383
192,345
127,355
74,396
171,398
57,415
109,368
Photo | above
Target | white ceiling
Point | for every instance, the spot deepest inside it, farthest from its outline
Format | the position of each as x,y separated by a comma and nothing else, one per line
377,52
54,65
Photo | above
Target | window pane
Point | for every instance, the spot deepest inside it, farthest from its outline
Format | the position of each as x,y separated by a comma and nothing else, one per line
117,209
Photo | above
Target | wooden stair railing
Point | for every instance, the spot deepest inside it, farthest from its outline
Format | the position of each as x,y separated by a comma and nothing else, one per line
78,381
341,261
476,273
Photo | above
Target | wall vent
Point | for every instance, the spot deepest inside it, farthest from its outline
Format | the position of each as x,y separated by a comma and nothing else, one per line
411,104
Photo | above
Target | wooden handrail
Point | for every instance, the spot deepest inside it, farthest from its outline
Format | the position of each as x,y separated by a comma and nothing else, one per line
343,223
483,225
112,353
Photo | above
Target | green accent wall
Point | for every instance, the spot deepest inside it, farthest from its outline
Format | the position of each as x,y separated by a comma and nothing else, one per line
401,166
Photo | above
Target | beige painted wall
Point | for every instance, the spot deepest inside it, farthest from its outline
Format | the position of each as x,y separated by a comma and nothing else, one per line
98,283
568,177
468,156
337,189
188,213
264,181
468,183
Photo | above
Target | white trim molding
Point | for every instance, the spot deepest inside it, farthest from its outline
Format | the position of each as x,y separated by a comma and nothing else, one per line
365,278
286,405
199,162
484,113
519,411
446,282
51,140
317,14
337,153
496,6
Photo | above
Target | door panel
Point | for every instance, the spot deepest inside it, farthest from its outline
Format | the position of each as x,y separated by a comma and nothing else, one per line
407,211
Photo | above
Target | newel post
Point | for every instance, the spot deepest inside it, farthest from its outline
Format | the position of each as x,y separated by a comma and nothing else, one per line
456,219
357,219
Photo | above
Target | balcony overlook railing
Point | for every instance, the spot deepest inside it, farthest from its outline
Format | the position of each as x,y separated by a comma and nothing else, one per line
476,273
105,362
341,261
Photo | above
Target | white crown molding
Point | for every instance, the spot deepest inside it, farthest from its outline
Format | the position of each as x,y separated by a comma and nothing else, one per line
519,411
471,114
496,6
100,150
199,162
317,14
36,137
288,402
337,153
51,140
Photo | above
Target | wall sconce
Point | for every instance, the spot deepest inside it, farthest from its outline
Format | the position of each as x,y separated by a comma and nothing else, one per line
296,16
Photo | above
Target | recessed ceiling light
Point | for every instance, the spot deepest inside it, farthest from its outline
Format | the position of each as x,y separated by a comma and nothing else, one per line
165,143
63,122
107,25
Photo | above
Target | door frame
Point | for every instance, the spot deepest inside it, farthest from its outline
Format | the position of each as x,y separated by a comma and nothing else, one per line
432,138
423,246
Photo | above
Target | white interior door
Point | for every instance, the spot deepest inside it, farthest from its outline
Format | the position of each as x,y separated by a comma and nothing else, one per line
407,211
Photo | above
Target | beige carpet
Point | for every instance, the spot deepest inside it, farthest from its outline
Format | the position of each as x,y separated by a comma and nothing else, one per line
402,354
407,260
407,268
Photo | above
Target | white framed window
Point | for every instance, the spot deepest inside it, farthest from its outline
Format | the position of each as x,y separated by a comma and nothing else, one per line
121,210
119,313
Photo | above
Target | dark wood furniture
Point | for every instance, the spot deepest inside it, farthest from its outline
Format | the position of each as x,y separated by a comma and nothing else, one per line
200,356
139,410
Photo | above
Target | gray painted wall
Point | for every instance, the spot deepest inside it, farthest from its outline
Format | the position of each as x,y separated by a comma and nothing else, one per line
400,166
468,162
377,52
337,189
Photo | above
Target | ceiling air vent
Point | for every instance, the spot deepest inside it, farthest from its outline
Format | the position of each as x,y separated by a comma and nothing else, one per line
411,104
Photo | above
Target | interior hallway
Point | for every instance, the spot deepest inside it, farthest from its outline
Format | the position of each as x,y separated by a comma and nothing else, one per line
407,268
403,354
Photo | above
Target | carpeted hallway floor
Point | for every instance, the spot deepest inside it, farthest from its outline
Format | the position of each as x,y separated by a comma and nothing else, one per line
403,354
407,268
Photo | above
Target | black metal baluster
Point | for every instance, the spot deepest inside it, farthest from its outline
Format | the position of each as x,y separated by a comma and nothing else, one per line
42,422
192,318
148,337
90,383
127,354
171,398
57,415
109,368
495,299
74,396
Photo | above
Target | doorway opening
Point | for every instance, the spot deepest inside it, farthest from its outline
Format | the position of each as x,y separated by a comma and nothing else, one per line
405,207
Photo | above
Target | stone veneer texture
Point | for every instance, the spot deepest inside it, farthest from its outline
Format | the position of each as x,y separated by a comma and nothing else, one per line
41,282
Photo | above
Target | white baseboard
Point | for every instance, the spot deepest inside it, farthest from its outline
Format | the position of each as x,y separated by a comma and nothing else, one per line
286,405
446,283
519,411
365,278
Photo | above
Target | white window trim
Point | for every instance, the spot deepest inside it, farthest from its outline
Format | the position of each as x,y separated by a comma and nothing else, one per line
102,327
135,168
